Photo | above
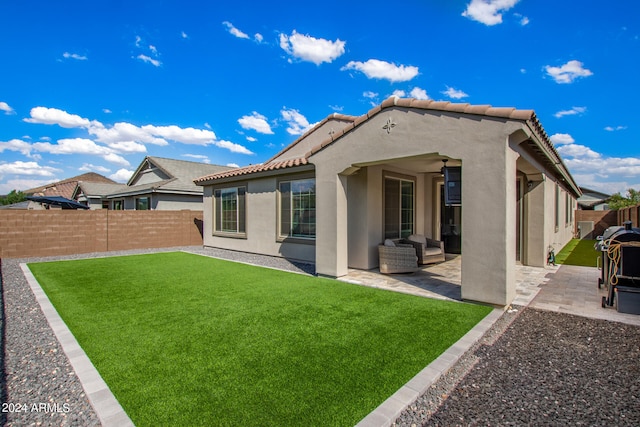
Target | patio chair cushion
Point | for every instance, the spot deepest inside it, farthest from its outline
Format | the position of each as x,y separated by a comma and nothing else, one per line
418,238
390,243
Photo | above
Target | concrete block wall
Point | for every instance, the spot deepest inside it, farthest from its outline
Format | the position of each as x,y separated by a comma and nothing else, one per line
601,220
67,232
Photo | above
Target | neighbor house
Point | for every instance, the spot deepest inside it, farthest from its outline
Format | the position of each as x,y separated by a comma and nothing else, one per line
592,200
94,194
67,187
336,193
163,184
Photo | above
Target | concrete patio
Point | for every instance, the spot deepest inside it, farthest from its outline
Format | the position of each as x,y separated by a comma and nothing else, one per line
564,289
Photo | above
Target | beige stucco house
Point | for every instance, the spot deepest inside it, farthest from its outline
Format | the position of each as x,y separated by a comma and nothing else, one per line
336,193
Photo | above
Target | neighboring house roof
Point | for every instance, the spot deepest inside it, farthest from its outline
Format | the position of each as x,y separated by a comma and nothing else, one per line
20,205
179,177
591,198
67,187
96,189
544,148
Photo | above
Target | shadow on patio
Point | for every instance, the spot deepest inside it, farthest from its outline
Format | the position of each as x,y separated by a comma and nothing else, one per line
442,280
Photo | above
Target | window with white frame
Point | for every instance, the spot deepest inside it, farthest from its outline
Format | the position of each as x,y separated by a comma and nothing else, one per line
298,208
229,210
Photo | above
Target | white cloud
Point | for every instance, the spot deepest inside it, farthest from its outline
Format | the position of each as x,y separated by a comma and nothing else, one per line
561,139
257,122
122,175
128,147
370,95
614,128
311,49
234,31
27,168
123,131
149,60
258,37
524,21
454,93
233,165
22,184
184,35
399,93
72,146
184,135
568,72
106,111
572,112
54,116
16,145
80,146
488,12
6,108
577,150
251,139
88,167
75,56
376,69
233,147
116,159
419,93
298,124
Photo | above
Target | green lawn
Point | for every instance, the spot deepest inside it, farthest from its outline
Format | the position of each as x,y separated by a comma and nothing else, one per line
187,340
578,252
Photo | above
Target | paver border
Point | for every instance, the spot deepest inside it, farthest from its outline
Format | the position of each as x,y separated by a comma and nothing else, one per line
107,408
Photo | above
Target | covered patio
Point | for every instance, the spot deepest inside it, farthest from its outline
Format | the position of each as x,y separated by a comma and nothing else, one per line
443,280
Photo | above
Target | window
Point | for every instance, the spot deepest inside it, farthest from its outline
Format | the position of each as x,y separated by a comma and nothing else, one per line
298,208
118,205
567,208
398,208
142,204
229,210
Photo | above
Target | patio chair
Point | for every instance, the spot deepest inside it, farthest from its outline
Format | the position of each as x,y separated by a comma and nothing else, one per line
428,250
396,257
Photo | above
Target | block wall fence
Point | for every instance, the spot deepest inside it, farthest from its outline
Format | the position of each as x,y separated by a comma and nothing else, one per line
67,232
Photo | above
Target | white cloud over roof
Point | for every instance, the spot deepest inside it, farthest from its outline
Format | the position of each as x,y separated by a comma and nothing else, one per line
234,31
454,93
377,69
311,49
489,12
571,112
297,123
27,168
568,72
257,122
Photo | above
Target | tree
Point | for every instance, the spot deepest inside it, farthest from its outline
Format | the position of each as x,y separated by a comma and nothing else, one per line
13,197
617,201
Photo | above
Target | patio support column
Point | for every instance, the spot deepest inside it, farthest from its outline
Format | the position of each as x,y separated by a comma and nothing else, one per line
331,223
536,255
488,228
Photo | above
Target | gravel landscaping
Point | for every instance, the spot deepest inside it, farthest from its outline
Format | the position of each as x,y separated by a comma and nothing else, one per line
546,369
531,368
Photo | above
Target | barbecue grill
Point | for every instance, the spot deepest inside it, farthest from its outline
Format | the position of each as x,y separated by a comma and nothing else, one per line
620,261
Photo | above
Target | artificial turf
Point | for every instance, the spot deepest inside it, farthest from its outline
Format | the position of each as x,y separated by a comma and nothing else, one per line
183,339
578,252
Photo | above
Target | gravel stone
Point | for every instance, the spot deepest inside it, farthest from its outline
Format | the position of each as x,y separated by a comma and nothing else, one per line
546,369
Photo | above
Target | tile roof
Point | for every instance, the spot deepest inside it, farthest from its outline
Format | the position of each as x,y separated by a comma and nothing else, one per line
510,113
67,187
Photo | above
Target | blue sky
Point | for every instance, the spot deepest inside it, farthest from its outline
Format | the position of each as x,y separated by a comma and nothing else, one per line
98,85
